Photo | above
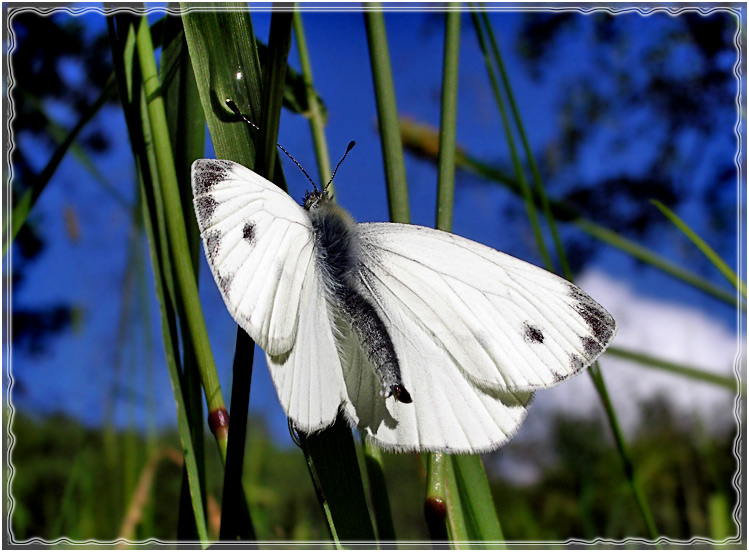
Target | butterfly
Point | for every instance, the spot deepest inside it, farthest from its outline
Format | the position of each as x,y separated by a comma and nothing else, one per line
423,339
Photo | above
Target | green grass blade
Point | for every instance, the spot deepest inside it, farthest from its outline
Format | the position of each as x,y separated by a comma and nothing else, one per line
333,457
207,34
435,503
539,187
530,205
706,250
187,132
235,522
387,115
687,371
482,522
378,492
131,94
179,247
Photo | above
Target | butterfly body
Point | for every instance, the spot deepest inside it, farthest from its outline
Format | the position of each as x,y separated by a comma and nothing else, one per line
423,339
337,254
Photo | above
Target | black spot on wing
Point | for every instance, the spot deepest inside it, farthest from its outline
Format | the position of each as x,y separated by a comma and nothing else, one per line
532,334
209,172
600,322
248,232
591,347
205,206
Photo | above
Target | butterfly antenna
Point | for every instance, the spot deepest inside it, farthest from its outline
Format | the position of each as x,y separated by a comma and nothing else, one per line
230,103
351,145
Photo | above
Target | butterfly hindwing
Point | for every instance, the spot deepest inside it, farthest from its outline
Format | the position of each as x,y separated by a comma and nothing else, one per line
309,377
447,413
259,246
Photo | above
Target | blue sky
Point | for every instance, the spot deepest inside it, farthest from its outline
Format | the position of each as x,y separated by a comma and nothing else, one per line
87,370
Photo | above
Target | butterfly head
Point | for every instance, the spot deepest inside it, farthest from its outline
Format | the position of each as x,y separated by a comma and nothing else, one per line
316,198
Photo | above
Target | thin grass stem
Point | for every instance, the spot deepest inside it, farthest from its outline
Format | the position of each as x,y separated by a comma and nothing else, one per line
387,115
706,250
530,206
315,117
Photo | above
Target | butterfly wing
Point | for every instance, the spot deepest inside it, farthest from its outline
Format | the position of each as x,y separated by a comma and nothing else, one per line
475,332
309,377
259,246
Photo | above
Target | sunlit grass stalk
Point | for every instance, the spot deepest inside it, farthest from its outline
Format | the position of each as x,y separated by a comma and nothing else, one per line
530,205
178,237
594,370
387,115
472,485
315,118
187,133
706,250
448,120
378,491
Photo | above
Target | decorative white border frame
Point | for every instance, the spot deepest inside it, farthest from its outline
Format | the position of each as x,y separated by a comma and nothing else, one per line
739,448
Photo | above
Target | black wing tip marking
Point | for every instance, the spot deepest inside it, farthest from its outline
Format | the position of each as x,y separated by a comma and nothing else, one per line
205,206
212,243
206,173
602,325
532,334
591,346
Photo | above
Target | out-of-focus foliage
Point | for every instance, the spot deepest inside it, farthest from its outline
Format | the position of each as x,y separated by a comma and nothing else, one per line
55,81
584,494
638,92
63,486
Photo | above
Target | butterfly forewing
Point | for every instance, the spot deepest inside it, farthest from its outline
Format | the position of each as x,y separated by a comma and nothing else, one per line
259,246
503,323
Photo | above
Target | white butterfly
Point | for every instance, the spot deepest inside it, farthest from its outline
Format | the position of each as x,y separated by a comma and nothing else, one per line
425,340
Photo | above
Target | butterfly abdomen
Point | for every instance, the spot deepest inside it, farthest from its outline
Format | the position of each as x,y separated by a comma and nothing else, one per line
337,249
